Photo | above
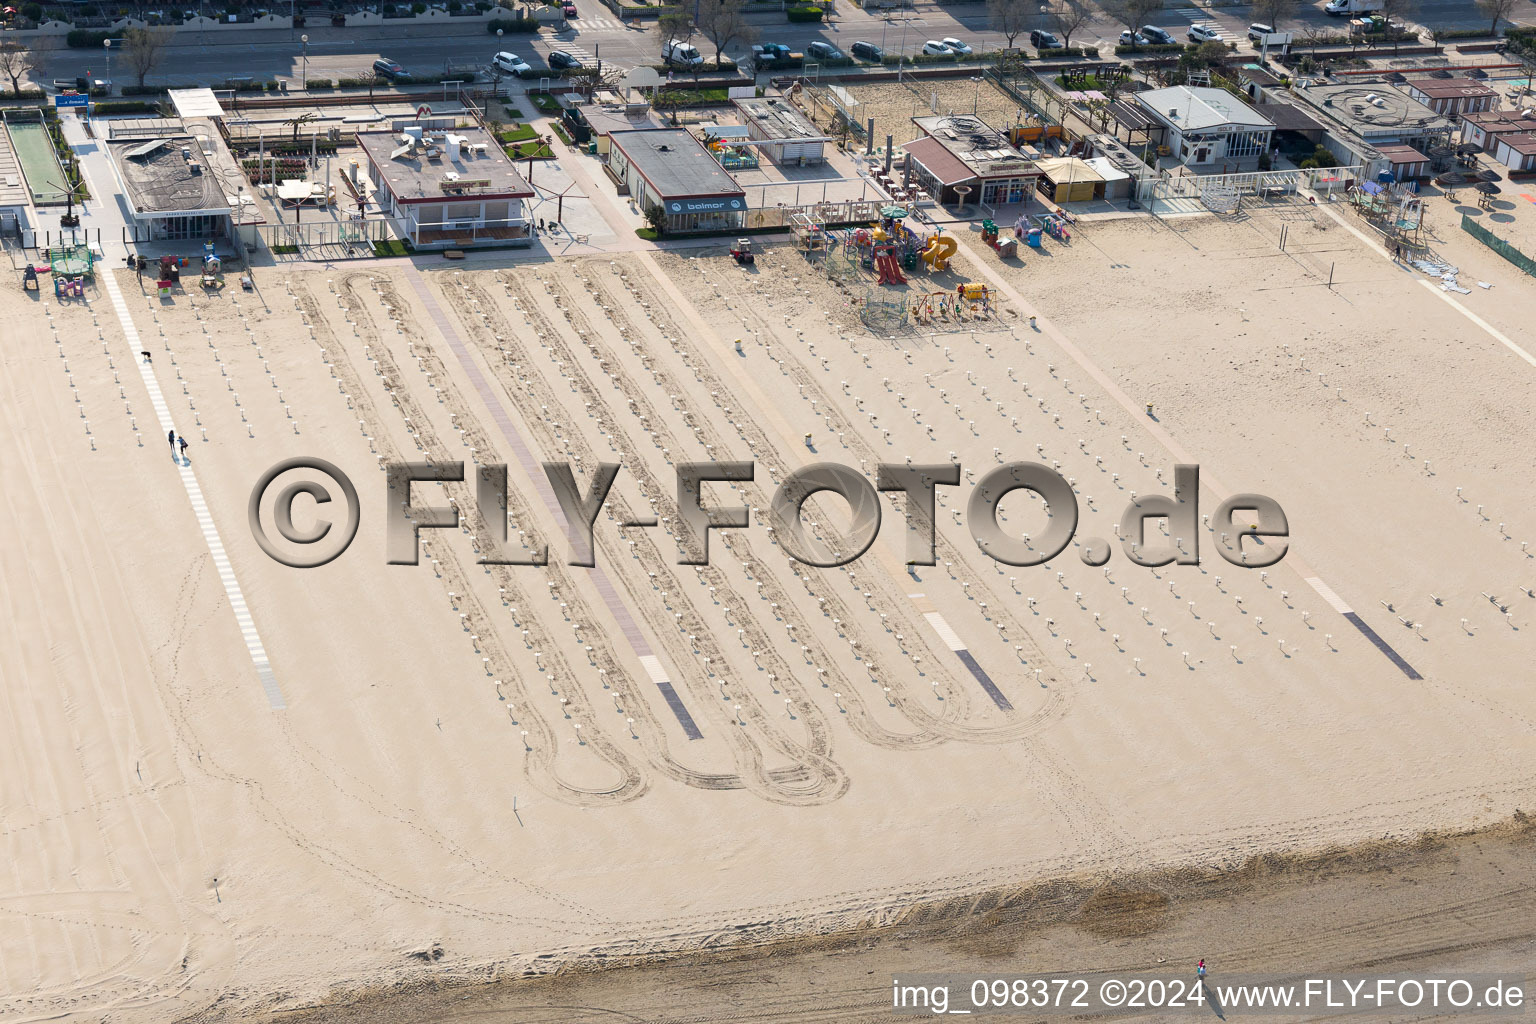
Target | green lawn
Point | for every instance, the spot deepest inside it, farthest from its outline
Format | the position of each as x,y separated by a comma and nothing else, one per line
527,150
518,133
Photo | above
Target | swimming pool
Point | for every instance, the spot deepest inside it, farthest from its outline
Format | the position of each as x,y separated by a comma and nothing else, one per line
39,163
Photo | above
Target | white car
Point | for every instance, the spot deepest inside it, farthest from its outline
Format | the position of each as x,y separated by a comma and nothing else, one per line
1204,34
934,48
510,63
956,45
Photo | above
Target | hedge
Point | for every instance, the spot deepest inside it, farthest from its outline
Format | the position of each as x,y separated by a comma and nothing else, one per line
126,107
141,90
509,25
319,83
86,39
1441,35
1122,51
805,13
1070,51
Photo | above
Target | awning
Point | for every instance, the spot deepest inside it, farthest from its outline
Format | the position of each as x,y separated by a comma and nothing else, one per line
195,103
939,162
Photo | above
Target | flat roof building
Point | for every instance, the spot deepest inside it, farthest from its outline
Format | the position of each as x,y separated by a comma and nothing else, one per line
1451,96
177,176
1515,150
961,151
669,168
788,138
1481,127
1363,117
1208,128
15,196
447,189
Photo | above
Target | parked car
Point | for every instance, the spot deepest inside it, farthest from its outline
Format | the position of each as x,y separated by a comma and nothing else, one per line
562,61
1204,34
963,49
1040,39
934,48
510,63
823,51
1129,38
388,68
1156,36
569,9
683,55
867,51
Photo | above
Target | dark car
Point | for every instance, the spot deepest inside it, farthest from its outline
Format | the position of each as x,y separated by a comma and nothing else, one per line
1043,40
388,68
1156,35
562,61
867,51
823,51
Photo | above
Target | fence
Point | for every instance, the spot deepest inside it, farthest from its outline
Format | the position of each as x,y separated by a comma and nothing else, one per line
1252,183
1498,245
832,214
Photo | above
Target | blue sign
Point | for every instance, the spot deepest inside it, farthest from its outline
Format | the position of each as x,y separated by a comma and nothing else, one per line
706,205
71,100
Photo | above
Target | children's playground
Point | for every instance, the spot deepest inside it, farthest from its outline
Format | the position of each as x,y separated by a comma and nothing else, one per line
889,267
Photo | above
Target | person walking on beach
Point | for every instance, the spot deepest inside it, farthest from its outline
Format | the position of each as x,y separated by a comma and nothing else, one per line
183,442
1200,969
170,437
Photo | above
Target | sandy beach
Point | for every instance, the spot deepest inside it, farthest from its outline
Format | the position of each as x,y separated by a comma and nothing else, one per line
223,802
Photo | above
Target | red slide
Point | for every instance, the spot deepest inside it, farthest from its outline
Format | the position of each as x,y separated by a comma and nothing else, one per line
888,270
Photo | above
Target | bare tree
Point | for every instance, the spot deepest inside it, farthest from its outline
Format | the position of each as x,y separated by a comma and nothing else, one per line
16,60
1010,17
1068,17
1133,13
1496,11
143,48
724,22
1275,12
1394,11
676,26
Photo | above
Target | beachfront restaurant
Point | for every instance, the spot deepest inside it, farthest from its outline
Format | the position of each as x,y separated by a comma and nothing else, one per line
447,189
669,168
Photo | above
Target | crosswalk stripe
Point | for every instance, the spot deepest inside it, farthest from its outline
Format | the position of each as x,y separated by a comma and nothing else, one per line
221,563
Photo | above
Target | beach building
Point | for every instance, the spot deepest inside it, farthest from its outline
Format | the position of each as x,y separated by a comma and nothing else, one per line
1365,120
783,134
1482,127
1206,128
446,189
15,197
1515,150
668,167
963,155
1451,96
179,179
1068,179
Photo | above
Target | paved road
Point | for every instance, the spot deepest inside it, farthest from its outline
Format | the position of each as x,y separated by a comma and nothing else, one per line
338,52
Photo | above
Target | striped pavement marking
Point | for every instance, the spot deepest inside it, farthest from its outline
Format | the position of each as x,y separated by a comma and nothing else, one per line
1337,604
535,470
221,562
952,640
1207,480
771,412
595,24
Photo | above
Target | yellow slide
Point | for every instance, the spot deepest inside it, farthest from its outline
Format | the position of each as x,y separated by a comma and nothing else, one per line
939,252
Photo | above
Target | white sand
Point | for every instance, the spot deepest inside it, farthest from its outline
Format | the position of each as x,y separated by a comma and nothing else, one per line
374,816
